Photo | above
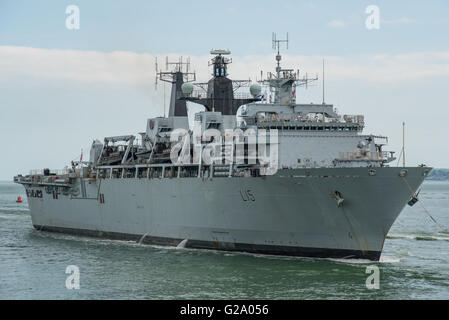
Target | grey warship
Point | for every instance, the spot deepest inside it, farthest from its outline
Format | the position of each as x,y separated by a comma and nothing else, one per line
327,189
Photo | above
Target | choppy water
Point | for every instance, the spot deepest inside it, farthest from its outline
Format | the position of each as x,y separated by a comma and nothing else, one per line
414,264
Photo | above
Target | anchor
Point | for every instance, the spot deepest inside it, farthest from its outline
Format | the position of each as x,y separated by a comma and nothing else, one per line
414,199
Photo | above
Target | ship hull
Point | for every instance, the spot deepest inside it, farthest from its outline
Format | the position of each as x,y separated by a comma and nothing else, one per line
294,212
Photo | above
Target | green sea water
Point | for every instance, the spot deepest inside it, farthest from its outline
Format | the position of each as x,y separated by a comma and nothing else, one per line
414,263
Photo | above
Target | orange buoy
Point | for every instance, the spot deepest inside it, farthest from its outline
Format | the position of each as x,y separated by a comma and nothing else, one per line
19,199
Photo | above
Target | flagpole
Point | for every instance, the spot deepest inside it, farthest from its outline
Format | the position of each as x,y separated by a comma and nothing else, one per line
81,158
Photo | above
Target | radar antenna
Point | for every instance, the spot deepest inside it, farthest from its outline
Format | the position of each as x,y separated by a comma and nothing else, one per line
176,73
284,82
220,94
276,43
180,67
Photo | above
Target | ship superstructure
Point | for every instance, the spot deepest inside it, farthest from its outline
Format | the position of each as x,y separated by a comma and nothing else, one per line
252,174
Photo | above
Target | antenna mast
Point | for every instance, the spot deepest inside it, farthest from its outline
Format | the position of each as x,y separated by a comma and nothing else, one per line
179,67
323,82
285,81
276,43
155,65
176,73
403,144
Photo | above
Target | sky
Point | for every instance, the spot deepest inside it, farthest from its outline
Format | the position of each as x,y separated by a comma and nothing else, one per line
60,87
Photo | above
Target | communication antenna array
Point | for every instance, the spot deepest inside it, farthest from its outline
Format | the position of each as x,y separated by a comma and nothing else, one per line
277,42
171,75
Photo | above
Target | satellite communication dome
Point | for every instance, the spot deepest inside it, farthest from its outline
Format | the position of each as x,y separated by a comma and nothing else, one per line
255,89
187,88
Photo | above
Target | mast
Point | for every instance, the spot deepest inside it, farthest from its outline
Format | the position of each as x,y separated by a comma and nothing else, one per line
403,144
276,44
177,76
323,82
284,81
219,91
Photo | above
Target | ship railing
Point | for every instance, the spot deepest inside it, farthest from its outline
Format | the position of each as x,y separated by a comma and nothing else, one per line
363,156
52,171
242,95
170,170
43,180
201,94
354,118
38,176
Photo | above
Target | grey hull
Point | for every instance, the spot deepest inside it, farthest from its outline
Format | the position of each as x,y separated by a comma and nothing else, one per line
291,213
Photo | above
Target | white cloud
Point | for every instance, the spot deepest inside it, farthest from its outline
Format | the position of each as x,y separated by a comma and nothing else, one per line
402,20
336,24
133,69
74,65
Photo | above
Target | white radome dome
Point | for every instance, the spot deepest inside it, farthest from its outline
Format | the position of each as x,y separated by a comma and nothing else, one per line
187,88
255,89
